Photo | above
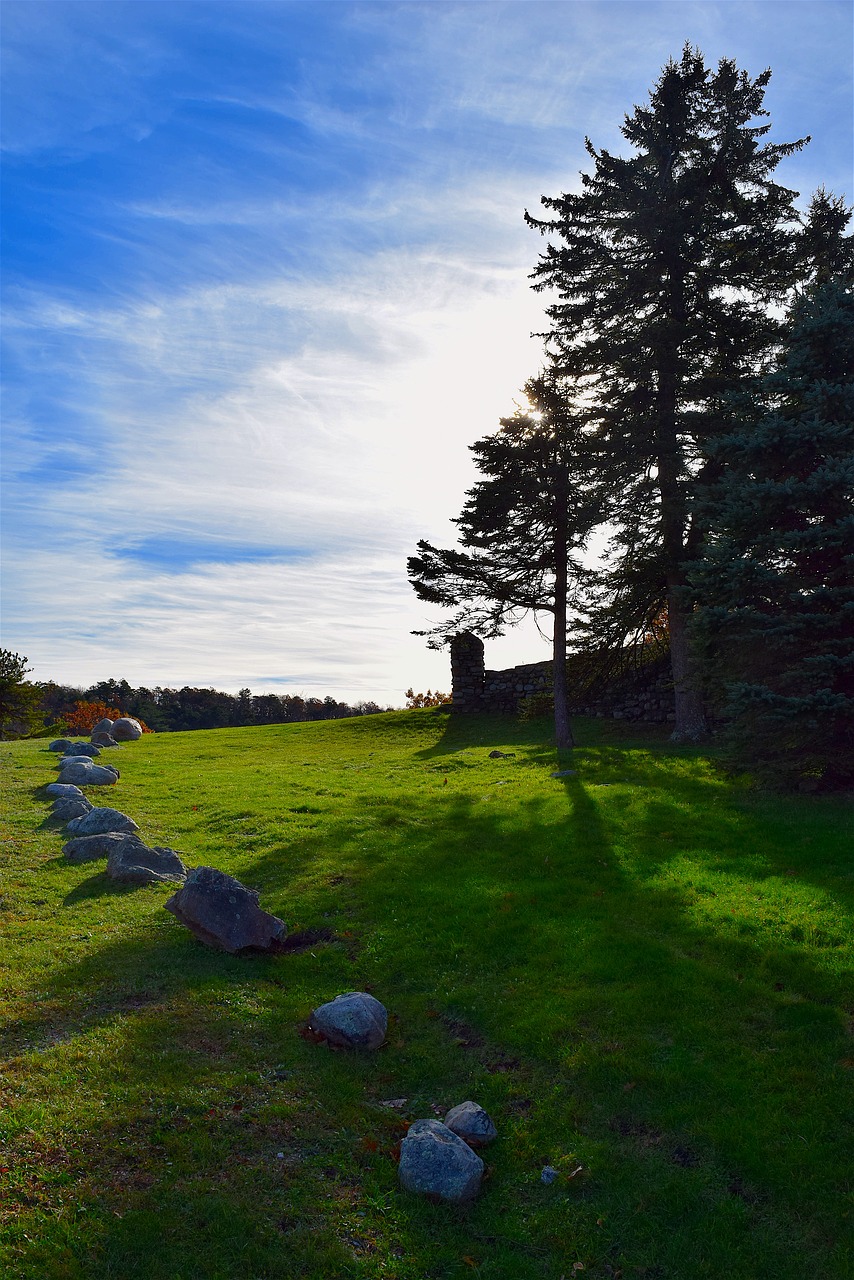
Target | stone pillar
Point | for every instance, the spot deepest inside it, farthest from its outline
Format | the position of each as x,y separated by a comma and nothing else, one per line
466,673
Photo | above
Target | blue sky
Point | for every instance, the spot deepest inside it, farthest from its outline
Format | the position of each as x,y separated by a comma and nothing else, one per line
265,279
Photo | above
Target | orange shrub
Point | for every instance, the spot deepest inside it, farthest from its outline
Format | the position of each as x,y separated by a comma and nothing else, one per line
86,715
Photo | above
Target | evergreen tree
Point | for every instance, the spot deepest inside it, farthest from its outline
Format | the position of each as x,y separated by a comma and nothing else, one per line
668,262
777,578
521,529
20,700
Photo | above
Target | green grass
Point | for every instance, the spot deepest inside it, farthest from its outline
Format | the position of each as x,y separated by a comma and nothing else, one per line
644,970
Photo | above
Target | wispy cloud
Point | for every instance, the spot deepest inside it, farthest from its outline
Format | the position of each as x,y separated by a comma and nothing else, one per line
265,286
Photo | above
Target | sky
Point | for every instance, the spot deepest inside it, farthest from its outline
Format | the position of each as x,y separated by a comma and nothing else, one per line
265,279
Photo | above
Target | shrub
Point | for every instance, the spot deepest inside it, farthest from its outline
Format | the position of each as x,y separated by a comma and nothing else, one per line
427,699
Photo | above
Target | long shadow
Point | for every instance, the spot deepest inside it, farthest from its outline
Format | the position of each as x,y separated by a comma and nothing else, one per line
531,925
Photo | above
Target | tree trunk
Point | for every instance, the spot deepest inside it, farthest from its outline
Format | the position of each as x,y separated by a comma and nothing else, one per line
563,729
689,716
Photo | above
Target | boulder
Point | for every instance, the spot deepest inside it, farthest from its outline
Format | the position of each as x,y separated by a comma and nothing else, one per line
354,1020
83,772
60,744
82,749
64,791
97,821
103,726
104,740
126,729
66,810
223,913
88,848
435,1162
132,863
471,1123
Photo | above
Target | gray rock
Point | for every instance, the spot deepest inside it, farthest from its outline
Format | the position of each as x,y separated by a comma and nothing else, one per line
223,913
104,740
88,848
435,1162
471,1123
103,726
502,755
97,821
354,1020
549,1175
64,791
60,744
82,749
136,864
126,729
66,810
83,772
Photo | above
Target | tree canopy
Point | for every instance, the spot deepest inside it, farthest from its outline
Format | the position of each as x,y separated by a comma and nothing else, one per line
665,265
522,529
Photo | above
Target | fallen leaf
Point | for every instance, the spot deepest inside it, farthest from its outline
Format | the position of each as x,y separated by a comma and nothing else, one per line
470,1262
627,1088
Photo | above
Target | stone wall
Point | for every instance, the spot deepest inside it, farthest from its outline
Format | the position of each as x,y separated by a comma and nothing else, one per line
644,693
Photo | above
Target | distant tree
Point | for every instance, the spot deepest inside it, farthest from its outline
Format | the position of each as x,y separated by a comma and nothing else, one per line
521,530
776,584
20,700
666,264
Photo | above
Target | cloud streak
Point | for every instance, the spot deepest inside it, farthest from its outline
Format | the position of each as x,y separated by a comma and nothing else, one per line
265,287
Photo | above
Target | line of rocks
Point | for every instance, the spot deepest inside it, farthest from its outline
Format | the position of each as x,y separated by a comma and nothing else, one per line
437,1160
102,832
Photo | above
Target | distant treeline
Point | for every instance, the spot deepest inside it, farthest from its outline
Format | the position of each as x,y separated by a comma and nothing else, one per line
174,710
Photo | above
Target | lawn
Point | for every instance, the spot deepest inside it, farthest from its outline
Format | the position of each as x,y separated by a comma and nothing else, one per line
642,971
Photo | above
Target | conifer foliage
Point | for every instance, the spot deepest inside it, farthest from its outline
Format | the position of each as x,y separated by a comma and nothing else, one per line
521,530
665,264
776,585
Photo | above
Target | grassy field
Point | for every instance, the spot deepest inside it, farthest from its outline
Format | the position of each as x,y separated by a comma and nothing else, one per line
643,972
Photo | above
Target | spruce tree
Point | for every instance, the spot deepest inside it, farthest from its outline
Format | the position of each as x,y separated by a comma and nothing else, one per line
667,263
777,577
521,531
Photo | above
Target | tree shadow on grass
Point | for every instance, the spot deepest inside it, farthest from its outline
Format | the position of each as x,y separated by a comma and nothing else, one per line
636,1029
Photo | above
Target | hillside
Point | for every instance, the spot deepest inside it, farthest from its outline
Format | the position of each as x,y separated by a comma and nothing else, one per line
642,971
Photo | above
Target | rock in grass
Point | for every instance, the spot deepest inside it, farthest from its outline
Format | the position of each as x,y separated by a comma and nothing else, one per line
82,749
354,1020
67,809
435,1162
64,791
60,744
132,863
126,729
471,1123
103,726
224,914
97,821
88,848
83,772
104,740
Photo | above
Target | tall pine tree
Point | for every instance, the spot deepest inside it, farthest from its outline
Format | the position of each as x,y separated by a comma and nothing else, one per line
777,578
521,530
667,263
